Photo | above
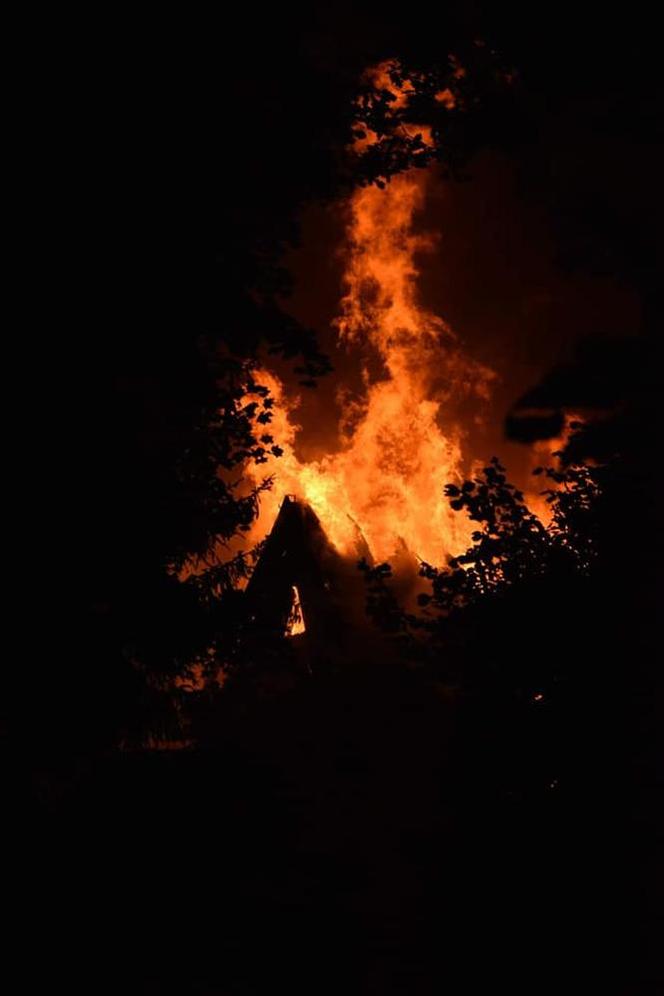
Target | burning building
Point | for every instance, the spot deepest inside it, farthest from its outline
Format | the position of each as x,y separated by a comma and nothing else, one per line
303,587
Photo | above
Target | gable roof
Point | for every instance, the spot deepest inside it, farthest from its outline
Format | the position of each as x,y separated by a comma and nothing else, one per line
297,554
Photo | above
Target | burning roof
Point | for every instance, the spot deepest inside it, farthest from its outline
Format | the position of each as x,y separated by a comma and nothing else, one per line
299,557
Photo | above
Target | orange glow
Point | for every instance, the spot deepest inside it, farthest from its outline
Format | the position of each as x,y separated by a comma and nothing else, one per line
542,455
446,97
398,445
379,78
401,441
295,624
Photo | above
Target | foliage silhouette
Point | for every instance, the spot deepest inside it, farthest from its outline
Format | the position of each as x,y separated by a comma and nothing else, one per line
186,297
511,548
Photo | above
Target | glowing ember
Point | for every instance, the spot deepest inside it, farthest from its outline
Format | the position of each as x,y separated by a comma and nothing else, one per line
543,454
295,624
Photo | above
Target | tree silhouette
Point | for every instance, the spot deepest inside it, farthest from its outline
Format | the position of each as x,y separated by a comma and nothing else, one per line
180,303
511,547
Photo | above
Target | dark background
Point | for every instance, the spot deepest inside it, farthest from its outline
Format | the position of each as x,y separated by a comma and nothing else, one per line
163,150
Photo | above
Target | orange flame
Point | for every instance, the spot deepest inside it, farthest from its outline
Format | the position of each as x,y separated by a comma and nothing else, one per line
542,454
380,79
295,625
399,445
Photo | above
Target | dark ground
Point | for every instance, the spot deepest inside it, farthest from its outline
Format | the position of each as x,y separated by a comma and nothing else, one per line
348,837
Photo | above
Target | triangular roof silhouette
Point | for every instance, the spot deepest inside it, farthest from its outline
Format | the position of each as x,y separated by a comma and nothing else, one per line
298,555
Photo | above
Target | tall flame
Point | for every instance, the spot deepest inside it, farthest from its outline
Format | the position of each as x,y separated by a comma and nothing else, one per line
399,445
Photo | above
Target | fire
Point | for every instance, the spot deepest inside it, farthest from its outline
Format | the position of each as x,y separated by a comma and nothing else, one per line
379,78
295,625
402,441
543,454
400,444
381,486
